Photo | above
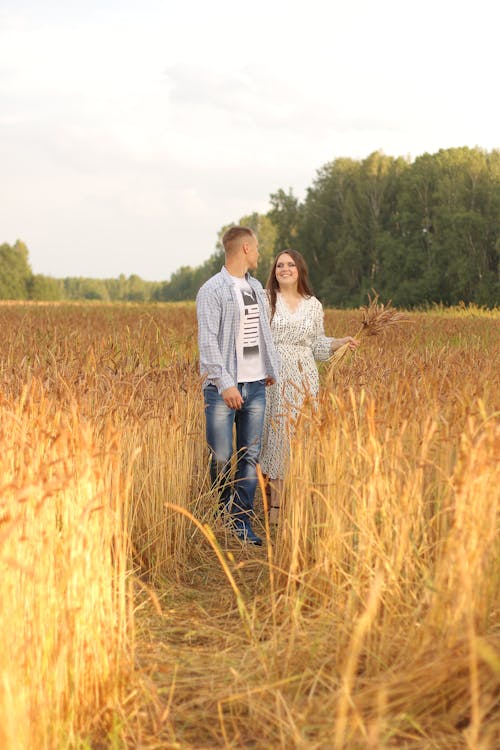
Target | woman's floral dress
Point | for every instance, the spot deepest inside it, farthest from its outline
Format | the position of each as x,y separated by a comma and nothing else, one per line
300,340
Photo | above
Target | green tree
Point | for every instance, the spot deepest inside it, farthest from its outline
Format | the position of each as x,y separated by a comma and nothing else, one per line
182,284
285,217
136,289
325,235
450,207
117,288
468,221
45,288
15,271
376,211
85,288
417,278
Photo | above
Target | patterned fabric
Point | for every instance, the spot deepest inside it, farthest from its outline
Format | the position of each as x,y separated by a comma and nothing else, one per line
300,339
218,322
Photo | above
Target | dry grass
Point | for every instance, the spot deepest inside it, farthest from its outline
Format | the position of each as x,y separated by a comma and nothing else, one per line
63,563
369,620
376,318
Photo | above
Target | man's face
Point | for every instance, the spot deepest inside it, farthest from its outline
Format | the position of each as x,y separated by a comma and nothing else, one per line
252,252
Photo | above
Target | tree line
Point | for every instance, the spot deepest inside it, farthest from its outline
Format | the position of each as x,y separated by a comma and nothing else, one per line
18,282
418,232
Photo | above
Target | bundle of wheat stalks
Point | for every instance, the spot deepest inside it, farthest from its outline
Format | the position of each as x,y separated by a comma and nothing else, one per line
376,318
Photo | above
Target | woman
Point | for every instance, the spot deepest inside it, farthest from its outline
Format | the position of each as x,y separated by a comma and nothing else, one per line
296,318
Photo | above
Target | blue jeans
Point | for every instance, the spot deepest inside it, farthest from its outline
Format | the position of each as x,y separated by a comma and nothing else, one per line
236,496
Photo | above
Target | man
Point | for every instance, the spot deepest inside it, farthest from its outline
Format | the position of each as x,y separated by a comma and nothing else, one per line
238,360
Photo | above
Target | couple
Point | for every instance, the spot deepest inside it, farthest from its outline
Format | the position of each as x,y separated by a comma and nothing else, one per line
250,339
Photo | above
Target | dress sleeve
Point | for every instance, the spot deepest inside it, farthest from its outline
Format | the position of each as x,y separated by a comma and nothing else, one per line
321,345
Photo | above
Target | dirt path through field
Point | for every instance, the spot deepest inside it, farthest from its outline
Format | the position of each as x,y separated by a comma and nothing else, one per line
190,649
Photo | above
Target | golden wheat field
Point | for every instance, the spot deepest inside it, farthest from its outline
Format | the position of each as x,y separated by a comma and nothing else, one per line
130,618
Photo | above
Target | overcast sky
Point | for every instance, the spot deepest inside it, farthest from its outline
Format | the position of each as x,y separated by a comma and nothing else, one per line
130,132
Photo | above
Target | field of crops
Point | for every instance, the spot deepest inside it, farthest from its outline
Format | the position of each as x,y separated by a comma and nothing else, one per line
130,618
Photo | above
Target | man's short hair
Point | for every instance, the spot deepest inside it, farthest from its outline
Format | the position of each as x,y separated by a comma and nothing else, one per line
232,235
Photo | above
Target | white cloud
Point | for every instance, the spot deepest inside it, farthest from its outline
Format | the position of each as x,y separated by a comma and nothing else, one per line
130,133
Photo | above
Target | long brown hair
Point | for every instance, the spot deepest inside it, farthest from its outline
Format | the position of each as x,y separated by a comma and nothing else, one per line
303,283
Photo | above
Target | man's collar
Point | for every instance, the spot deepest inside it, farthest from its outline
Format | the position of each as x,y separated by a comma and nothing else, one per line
229,276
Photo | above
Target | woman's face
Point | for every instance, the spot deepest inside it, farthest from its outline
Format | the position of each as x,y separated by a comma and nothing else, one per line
286,271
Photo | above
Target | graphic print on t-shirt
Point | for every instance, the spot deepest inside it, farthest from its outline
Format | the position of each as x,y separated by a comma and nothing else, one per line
249,352
250,324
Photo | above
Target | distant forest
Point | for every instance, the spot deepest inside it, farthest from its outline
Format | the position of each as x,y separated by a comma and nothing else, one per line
418,232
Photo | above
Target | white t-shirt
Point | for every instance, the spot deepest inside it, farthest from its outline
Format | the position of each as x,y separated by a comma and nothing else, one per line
249,357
